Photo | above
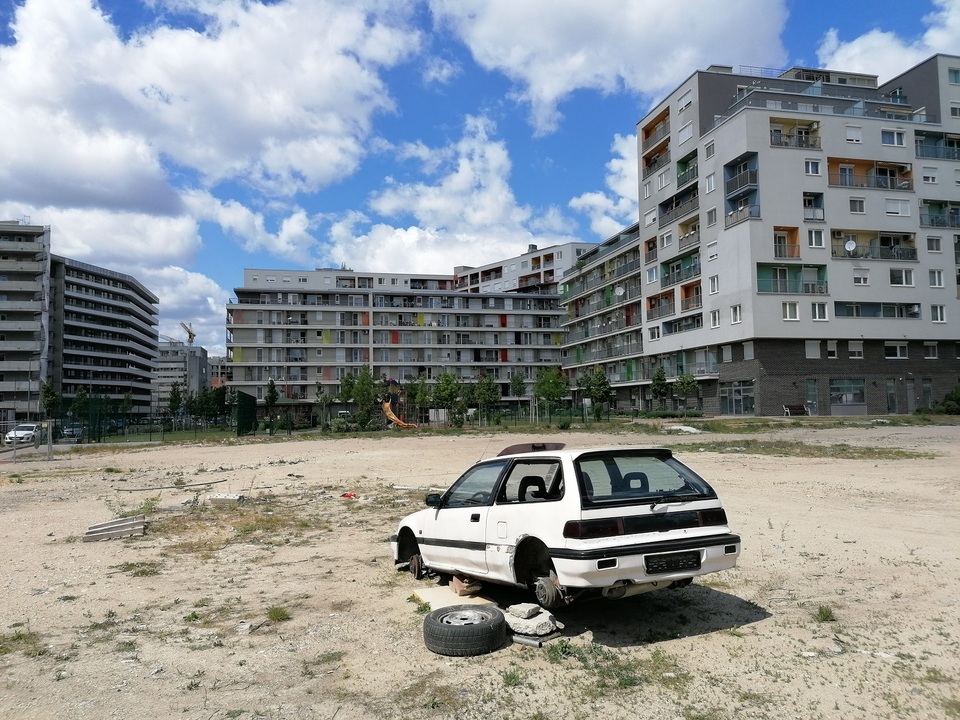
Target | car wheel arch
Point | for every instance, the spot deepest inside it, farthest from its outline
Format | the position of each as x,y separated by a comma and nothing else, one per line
407,545
531,559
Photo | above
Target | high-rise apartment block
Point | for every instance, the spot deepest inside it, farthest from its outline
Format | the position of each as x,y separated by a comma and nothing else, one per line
306,330
798,245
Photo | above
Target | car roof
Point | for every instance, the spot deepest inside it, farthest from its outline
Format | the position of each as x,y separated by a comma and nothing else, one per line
560,449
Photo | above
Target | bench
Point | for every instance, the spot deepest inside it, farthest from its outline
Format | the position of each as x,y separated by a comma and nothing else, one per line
790,410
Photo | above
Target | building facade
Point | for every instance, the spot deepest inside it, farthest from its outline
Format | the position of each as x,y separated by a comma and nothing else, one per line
798,244
306,330
72,323
536,271
182,364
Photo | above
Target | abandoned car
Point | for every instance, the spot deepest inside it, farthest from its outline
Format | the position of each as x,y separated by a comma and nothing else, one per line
563,522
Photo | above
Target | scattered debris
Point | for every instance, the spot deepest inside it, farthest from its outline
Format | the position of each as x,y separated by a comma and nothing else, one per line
531,620
464,586
119,528
224,499
349,496
682,429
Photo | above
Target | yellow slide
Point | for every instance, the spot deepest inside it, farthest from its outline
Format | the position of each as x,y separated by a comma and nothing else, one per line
388,411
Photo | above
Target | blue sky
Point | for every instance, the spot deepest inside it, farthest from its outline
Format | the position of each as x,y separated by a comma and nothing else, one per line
184,140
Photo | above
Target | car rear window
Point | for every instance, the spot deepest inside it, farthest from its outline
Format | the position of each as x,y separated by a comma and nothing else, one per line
629,476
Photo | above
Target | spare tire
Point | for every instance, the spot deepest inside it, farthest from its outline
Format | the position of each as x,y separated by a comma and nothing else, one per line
464,630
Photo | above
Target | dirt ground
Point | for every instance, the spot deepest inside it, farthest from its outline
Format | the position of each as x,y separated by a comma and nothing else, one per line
845,603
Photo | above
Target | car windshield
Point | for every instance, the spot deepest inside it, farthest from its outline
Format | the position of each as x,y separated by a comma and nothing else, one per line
618,476
24,428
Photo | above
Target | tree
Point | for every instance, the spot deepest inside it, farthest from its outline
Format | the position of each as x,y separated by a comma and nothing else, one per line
50,399
80,404
486,393
446,392
346,387
365,396
551,385
659,387
421,396
175,401
518,386
685,386
596,386
323,401
270,398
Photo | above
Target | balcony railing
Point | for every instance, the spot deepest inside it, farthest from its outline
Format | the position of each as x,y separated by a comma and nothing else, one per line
785,250
684,208
740,214
938,152
868,251
650,169
940,219
691,303
686,273
658,135
650,255
874,182
690,239
662,310
794,141
737,183
791,287
813,213
687,175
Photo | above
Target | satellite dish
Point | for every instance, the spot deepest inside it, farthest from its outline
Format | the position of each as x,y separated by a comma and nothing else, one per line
618,291
850,246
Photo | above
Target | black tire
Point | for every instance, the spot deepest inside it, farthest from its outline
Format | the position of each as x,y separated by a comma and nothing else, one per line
464,630
547,593
417,568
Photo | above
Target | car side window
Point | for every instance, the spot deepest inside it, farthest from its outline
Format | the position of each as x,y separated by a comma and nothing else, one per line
475,487
532,481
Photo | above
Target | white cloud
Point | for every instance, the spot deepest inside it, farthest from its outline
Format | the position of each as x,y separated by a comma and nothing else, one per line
611,211
191,298
468,215
440,71
551,48
884,53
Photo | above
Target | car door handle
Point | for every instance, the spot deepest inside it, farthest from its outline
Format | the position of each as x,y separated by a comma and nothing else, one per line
475,517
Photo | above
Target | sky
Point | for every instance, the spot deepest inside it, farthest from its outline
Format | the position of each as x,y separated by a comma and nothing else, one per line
181,141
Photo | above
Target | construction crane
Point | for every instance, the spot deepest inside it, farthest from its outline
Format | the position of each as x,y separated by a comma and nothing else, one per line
191,335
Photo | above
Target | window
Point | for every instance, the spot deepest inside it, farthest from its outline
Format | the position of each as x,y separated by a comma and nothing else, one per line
892,137
708,150
654,333
684,100
930,351
649,217
954,110
726,353
818,310
831,349
936,278
847,391
790,311
812,349
855,349
653,274
714,318
854,134
711,251
748,351
646,190
736,314
666,239
685,133
929,175
857,205
714,284
663,179
898,207
901,276
815,238
861,277
937,314
933,245
710,182
811,167
953,75
895,351
711,217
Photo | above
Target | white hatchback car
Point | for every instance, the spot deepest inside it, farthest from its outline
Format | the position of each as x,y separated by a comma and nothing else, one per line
22,434
561,522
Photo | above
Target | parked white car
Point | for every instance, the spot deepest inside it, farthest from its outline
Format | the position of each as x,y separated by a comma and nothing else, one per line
23,433
562,522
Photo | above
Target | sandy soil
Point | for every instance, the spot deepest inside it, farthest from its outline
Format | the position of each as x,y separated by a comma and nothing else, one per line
176,624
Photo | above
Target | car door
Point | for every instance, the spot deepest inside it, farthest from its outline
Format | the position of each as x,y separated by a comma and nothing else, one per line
454,536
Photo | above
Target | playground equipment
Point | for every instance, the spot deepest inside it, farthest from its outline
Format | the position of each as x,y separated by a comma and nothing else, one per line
392,402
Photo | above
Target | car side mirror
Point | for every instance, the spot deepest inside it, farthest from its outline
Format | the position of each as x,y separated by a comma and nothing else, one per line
432,500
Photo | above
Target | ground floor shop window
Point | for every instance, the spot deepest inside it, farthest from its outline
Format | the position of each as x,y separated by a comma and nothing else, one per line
736,398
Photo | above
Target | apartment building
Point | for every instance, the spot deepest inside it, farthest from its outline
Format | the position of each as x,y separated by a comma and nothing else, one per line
70,322
182,364
307,329
536,270
798,245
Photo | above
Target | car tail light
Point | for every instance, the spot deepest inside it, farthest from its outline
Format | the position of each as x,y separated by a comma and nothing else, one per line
587,529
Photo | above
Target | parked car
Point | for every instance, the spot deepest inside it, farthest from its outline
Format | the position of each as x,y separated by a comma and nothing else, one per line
566,522
73,431
24,433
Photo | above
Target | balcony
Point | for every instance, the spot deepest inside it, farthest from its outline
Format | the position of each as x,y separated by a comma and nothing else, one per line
809,142
679,211
813,214
687,175
656,136
747,212
938,152
870,182
652,167
940,219
650,255
791,287
786,250
741,183
677,276
694,302
690,239
870,251
661,310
